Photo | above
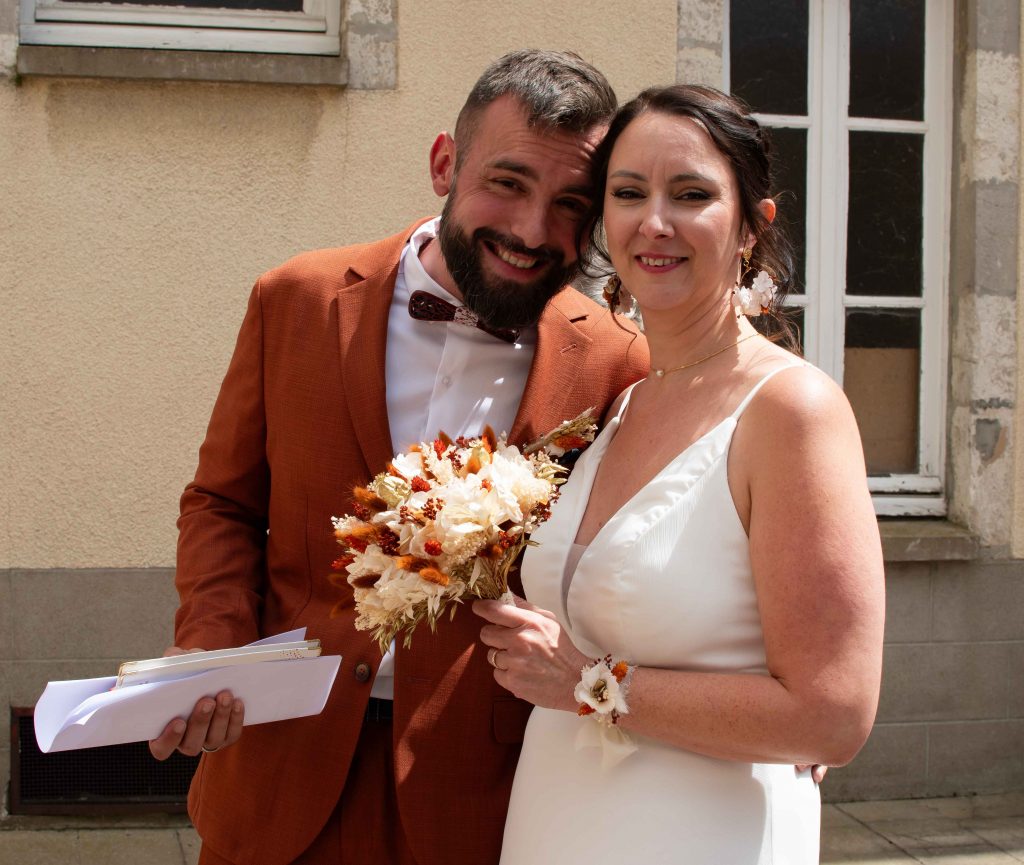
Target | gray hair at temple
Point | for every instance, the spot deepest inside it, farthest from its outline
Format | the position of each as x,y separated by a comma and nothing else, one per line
559,90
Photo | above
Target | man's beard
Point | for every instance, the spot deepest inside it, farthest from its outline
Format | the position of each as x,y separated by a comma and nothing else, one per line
499,302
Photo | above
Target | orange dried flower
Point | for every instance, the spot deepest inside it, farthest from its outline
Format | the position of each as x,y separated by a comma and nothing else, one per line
433,547
369,499
419,485
486,484
433,575
395,473
585,710
619,671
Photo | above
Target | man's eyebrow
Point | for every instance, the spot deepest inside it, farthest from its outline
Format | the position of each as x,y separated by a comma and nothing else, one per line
676,178
583,190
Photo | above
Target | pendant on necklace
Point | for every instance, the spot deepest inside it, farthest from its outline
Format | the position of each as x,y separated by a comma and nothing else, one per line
660,373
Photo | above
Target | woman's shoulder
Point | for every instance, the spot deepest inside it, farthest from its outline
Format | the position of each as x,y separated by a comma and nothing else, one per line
797,403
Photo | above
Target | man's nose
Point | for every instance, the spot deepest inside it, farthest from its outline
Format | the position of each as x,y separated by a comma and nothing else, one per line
530,225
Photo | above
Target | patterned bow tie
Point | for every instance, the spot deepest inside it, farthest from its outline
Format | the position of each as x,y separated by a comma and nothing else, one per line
425,306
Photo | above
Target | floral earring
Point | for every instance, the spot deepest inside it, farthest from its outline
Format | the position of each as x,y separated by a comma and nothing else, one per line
616,295
755,299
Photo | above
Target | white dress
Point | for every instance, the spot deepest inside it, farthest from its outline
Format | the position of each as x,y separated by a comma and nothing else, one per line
665,583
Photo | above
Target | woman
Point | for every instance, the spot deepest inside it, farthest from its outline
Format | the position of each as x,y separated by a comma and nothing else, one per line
715,551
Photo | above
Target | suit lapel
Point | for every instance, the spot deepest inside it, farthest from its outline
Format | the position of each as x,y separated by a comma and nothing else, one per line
363,306
562,351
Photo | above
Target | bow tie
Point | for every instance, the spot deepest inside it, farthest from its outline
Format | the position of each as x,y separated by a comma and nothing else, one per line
424,306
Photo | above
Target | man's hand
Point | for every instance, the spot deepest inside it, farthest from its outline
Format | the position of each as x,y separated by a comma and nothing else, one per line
817,771
213,724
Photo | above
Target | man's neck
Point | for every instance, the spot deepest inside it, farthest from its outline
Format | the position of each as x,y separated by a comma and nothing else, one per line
434,264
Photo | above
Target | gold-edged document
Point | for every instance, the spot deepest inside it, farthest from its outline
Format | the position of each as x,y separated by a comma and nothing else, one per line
176,666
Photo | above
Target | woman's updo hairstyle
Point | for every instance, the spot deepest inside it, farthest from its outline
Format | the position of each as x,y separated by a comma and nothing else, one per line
746,145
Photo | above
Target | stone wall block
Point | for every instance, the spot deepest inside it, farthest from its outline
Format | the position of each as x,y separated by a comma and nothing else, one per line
6,616
996,227
992,84
975,601
998,26
975,757
92,614
699,54
893,764
944,682
908,602
1015,681
371,44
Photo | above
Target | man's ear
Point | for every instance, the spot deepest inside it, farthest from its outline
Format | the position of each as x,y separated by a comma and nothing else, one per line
442,164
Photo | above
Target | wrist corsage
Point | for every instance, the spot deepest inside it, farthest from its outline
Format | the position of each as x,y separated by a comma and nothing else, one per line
602,689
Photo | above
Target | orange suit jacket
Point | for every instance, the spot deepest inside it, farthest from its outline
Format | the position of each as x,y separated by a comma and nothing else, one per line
301,418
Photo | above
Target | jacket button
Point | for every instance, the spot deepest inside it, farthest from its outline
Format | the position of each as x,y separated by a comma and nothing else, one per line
362,672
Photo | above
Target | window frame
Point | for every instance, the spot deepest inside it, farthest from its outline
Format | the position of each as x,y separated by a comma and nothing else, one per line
828,125
314,31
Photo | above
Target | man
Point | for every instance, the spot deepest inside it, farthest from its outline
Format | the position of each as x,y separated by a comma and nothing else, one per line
412,759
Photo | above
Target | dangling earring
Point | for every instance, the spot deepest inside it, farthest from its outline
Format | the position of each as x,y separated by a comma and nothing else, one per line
755,299
616,295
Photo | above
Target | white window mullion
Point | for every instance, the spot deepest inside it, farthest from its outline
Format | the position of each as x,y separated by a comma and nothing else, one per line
830,21
938,87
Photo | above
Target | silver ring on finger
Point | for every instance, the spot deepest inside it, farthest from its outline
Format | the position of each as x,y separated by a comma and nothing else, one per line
209,750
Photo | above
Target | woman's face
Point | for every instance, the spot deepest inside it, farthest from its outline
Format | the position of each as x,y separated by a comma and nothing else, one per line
672,214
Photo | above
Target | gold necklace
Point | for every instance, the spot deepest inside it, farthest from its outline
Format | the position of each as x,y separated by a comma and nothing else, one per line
661,373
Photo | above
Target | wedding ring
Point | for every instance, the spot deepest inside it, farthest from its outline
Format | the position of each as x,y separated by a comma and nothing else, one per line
492,658
209,750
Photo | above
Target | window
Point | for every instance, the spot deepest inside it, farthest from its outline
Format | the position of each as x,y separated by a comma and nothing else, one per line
258,26
858,94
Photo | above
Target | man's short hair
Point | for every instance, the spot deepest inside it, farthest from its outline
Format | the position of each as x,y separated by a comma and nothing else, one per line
559,91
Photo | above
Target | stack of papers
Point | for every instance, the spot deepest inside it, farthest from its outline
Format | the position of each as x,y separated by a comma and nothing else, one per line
276,678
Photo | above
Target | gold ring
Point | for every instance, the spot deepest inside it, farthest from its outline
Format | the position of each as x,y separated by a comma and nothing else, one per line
209,750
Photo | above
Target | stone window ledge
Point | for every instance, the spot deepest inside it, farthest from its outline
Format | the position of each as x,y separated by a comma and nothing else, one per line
147,63
926,540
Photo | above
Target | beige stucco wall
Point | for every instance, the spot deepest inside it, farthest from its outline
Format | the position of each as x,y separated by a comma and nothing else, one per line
134,217
1017,549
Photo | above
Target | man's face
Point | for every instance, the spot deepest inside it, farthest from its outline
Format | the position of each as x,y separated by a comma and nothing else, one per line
508,228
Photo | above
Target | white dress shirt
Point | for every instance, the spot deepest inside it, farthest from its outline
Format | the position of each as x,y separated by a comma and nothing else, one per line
444,376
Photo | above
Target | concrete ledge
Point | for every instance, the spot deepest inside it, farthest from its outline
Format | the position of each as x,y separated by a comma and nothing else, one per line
926,541
146,63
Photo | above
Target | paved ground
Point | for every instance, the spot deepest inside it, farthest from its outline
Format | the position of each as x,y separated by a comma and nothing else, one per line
979,830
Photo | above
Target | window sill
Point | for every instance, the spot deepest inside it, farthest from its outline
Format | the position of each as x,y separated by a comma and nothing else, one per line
926,541
145,63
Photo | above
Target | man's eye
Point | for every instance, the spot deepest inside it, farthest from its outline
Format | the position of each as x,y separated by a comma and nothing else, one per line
575,205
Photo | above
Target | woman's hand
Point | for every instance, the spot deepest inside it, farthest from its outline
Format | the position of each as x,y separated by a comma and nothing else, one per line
532,656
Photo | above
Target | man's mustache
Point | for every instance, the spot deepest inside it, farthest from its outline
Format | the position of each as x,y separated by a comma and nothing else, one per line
543,254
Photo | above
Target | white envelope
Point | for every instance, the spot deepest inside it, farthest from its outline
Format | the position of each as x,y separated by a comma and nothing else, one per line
84,713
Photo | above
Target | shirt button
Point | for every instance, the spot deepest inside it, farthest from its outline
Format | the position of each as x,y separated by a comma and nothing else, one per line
362,672
447,380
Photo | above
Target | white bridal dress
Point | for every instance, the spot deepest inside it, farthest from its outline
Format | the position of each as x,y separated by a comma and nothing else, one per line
666,583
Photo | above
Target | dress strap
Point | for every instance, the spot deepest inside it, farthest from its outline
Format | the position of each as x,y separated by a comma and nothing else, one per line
753,391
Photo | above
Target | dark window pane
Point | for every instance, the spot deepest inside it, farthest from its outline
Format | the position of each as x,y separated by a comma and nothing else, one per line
881,377
768,54
269,5
883,232
887,59
789,189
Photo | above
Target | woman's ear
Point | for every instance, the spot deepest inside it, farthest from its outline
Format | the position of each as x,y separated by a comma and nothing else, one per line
442,164
767,208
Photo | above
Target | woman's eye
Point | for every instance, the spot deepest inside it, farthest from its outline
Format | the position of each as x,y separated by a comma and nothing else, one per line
693,195
626,193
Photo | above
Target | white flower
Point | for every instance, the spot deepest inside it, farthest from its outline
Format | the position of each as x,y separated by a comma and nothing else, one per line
600,690
745,302
763,287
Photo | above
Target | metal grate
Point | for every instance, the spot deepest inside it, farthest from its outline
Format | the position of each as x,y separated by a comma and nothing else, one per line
112,779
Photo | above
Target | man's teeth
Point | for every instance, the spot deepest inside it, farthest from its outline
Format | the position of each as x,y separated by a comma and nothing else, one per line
513,259
657,262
